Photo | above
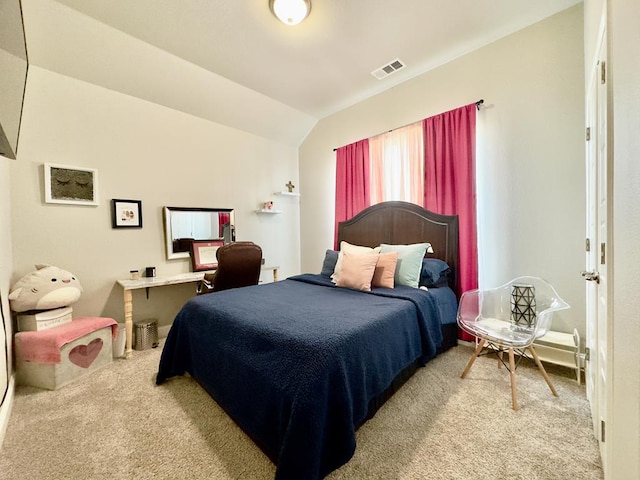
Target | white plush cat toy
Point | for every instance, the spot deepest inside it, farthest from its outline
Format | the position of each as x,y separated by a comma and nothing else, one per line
45,288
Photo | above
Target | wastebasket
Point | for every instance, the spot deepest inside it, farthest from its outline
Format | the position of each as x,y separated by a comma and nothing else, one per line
146,333
119,342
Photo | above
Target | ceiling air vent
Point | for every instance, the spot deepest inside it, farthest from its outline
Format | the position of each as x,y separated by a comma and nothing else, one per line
388,69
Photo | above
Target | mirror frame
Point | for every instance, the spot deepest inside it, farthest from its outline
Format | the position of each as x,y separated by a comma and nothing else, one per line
168,237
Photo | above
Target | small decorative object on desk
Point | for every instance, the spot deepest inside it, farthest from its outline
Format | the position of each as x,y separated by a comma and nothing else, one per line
134,274
523,306
150,272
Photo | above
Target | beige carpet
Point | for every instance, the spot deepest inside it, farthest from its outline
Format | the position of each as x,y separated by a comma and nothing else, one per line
117,424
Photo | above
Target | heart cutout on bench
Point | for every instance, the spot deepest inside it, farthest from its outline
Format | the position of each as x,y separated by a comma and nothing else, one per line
84,355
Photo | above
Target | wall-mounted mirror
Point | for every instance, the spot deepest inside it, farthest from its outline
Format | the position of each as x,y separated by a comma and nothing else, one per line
182,225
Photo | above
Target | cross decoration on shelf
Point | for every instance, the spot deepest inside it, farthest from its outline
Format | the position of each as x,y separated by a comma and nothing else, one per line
290,186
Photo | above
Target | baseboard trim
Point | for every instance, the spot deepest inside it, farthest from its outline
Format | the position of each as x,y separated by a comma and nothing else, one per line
5,408
163,331
465,343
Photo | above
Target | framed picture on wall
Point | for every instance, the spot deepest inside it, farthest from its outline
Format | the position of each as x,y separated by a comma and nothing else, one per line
126,213
203,254
70,185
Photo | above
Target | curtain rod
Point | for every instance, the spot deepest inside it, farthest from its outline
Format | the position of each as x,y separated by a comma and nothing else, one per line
479,103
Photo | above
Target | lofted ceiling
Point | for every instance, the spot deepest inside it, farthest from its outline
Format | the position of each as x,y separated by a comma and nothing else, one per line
195,55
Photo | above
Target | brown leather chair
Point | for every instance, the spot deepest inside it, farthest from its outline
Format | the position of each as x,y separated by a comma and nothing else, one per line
238,266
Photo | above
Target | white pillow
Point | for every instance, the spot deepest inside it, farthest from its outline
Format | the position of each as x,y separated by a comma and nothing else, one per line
347,247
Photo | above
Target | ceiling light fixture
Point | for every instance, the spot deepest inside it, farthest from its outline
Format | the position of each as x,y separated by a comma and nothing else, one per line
290,12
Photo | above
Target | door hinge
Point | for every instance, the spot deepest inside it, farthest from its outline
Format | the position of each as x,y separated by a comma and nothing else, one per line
603,72
587,245
588,134
602,253
587,354
602,429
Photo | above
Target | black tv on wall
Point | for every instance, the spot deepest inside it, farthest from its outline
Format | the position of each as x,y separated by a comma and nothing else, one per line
13,75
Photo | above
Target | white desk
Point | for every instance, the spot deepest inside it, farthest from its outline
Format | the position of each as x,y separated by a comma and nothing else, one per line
147,283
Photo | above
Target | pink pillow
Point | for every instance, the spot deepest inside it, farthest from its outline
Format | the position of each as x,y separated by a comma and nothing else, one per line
347,247
357,270
385,270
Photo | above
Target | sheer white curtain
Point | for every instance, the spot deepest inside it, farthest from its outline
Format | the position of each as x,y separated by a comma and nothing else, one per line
397,165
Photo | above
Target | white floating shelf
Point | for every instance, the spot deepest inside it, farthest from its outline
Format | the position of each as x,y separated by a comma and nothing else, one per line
289,194
272,212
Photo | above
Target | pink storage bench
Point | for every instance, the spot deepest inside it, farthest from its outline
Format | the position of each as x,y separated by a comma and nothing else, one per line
56,356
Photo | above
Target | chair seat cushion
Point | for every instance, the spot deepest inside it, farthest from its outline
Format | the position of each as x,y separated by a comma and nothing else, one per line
499,331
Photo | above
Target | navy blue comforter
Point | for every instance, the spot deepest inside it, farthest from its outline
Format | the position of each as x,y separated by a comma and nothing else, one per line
295,363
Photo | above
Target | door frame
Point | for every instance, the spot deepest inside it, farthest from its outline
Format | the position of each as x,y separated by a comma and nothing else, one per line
598,259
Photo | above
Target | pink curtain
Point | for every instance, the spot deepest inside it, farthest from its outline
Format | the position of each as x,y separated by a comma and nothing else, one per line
450,183
352,182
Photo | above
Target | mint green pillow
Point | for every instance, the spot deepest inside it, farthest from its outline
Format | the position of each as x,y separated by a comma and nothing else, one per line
409,263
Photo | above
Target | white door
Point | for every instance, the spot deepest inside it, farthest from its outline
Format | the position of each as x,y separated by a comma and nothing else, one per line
598,253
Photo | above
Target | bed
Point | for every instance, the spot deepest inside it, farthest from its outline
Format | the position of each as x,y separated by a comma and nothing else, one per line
300,364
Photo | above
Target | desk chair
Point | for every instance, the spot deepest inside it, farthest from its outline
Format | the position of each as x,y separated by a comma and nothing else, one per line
238,266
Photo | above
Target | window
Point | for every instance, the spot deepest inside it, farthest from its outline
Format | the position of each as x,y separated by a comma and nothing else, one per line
397,165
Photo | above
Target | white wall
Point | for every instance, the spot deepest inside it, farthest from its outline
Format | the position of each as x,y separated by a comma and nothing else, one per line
142,151
530,154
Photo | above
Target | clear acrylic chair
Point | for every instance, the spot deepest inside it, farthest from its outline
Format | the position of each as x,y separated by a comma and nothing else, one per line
509,319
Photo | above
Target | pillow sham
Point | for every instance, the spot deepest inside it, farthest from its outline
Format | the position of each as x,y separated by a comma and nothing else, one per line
347,247
409,262
329,263
435,273
357,270
385,271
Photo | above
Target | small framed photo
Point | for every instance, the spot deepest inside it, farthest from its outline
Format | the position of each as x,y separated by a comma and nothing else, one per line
203,254
71,185
126,213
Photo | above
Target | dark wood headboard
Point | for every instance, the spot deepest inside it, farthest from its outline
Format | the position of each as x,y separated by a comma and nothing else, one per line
403,223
